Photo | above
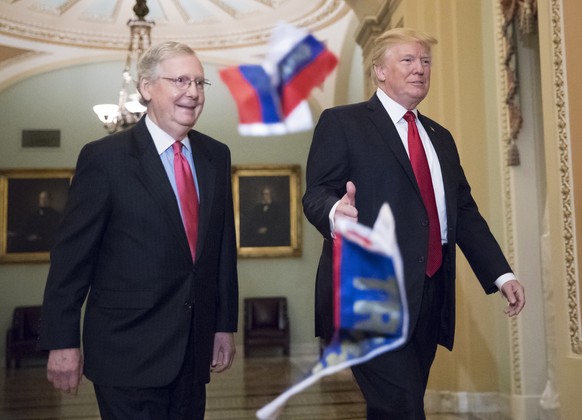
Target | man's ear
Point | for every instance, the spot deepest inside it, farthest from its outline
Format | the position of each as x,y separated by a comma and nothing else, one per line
379,70
143,87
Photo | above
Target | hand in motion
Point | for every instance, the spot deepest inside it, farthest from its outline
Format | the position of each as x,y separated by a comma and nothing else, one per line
223,352
347,204
515,295
65,369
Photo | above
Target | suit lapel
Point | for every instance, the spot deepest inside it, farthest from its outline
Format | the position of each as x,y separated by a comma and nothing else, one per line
388,132
205,172
152,174
447,170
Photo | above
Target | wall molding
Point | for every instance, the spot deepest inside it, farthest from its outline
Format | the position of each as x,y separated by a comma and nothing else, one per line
566,188
467,402
509,227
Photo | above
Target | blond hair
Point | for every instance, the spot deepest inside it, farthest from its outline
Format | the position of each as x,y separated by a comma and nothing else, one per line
393,37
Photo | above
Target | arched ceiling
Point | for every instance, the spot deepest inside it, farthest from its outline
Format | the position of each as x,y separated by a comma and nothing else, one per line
48,33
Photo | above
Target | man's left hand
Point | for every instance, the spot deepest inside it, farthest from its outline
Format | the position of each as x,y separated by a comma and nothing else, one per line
223,352
515,295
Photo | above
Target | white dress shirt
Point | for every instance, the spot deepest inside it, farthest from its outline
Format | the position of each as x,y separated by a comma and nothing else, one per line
163,142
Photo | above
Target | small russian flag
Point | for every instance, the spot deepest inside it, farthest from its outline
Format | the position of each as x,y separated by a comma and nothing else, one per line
256,98
306,66
271,98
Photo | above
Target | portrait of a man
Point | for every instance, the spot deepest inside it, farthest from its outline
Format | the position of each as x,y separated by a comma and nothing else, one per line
264,215
34,209
267,211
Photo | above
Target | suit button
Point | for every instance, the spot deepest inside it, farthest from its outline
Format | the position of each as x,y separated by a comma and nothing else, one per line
421,259
188,304
424,223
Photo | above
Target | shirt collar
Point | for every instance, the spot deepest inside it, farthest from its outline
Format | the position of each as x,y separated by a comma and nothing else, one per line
163,140
393,108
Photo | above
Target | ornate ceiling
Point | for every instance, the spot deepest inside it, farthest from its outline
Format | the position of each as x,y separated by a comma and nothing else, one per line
37,33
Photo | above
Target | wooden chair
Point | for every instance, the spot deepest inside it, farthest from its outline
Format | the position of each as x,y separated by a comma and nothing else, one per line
22,336
266,323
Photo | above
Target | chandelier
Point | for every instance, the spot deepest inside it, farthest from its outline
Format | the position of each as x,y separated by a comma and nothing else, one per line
129,110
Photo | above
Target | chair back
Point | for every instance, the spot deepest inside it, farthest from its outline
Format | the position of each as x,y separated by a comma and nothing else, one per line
25,322
267,313
266,323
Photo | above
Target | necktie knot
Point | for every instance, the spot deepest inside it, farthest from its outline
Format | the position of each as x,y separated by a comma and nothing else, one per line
409,117
177,146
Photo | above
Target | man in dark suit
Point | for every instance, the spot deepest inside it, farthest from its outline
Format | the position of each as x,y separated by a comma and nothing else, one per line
366,146
160,314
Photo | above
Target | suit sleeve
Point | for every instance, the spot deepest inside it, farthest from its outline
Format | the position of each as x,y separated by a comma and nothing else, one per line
327,171
476,240
74,254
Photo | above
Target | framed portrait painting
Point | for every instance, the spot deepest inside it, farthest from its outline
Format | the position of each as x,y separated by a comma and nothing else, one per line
31,205
267,210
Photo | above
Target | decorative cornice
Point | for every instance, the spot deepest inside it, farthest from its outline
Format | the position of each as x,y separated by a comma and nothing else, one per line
29,30
560,94
228,9
325,13
59,10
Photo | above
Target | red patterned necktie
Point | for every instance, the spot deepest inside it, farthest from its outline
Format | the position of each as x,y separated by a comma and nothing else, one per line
188,196
424,180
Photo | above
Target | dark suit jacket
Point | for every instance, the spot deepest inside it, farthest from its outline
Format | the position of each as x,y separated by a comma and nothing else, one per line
123,243
359,143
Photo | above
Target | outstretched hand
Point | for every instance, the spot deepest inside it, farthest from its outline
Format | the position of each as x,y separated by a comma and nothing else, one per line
515,295
347,204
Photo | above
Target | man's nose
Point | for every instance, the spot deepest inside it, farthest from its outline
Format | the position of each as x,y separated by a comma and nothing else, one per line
192,90
418,66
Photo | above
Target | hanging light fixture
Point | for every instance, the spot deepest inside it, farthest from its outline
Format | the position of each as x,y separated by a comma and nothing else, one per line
129,110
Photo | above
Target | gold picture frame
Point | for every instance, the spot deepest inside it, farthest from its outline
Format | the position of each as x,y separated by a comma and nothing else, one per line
31,205
267,210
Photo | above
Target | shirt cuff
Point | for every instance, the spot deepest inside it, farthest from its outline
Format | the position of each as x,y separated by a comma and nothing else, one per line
501,280
331,219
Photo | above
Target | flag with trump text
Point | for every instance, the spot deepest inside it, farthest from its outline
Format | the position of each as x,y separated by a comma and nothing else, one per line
370,305
271,98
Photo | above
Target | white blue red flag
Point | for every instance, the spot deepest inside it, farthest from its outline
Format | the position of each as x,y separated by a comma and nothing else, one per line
271,98
370,305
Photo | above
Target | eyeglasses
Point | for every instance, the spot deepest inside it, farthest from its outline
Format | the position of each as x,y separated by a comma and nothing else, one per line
183,83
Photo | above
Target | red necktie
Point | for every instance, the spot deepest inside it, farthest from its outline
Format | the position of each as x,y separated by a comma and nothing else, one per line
188,196
424,180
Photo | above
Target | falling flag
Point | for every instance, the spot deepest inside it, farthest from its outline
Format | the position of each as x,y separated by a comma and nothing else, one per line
271,98
370,305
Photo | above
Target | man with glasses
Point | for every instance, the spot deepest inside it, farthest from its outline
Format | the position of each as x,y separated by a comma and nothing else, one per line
148,238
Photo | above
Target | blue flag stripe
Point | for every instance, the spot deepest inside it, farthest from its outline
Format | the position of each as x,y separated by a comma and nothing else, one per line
261,82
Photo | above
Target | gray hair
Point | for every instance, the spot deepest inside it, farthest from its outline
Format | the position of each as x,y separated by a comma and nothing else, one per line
147,66
393,37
